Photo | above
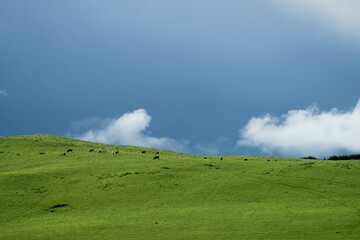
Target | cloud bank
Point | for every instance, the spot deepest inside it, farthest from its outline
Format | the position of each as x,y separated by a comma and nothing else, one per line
341,15
305,132
130,129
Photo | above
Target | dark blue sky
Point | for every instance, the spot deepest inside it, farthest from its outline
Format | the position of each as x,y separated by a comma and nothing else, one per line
200,69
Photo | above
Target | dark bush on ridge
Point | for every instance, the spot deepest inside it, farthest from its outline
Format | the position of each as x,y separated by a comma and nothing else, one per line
345,157
309,157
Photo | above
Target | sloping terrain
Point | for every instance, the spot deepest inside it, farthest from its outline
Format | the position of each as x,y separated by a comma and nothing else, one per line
130,195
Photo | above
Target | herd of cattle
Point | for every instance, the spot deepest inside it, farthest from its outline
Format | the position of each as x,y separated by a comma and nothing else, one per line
117,152
155,157
112,152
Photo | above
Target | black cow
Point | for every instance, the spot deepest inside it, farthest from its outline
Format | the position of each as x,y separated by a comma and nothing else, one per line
156,157
221,158
117,152
245,159
91,150
157,153
62,154
143,152
69,150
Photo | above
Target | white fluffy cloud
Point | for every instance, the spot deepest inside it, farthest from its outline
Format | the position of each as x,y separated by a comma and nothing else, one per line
341,15
130,129
305,132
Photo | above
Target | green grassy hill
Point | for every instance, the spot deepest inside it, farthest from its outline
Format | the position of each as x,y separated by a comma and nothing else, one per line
179,196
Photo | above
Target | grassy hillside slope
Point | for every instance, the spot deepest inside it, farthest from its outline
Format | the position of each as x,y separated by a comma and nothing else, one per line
179,196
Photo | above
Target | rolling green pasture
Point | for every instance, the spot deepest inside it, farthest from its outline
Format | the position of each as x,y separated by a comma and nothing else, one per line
179,196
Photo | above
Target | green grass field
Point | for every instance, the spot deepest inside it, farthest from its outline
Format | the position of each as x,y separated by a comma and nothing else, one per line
179,196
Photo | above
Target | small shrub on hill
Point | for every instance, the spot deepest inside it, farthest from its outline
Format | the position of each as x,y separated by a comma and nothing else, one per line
309,157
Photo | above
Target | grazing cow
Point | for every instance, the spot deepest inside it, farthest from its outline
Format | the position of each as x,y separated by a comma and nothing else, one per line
245,159
156,157
143,152
117,152
204,157
275,160
100,151
103,151
62,154
221,158
268,160
112,152
91,150
69,150
157,153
